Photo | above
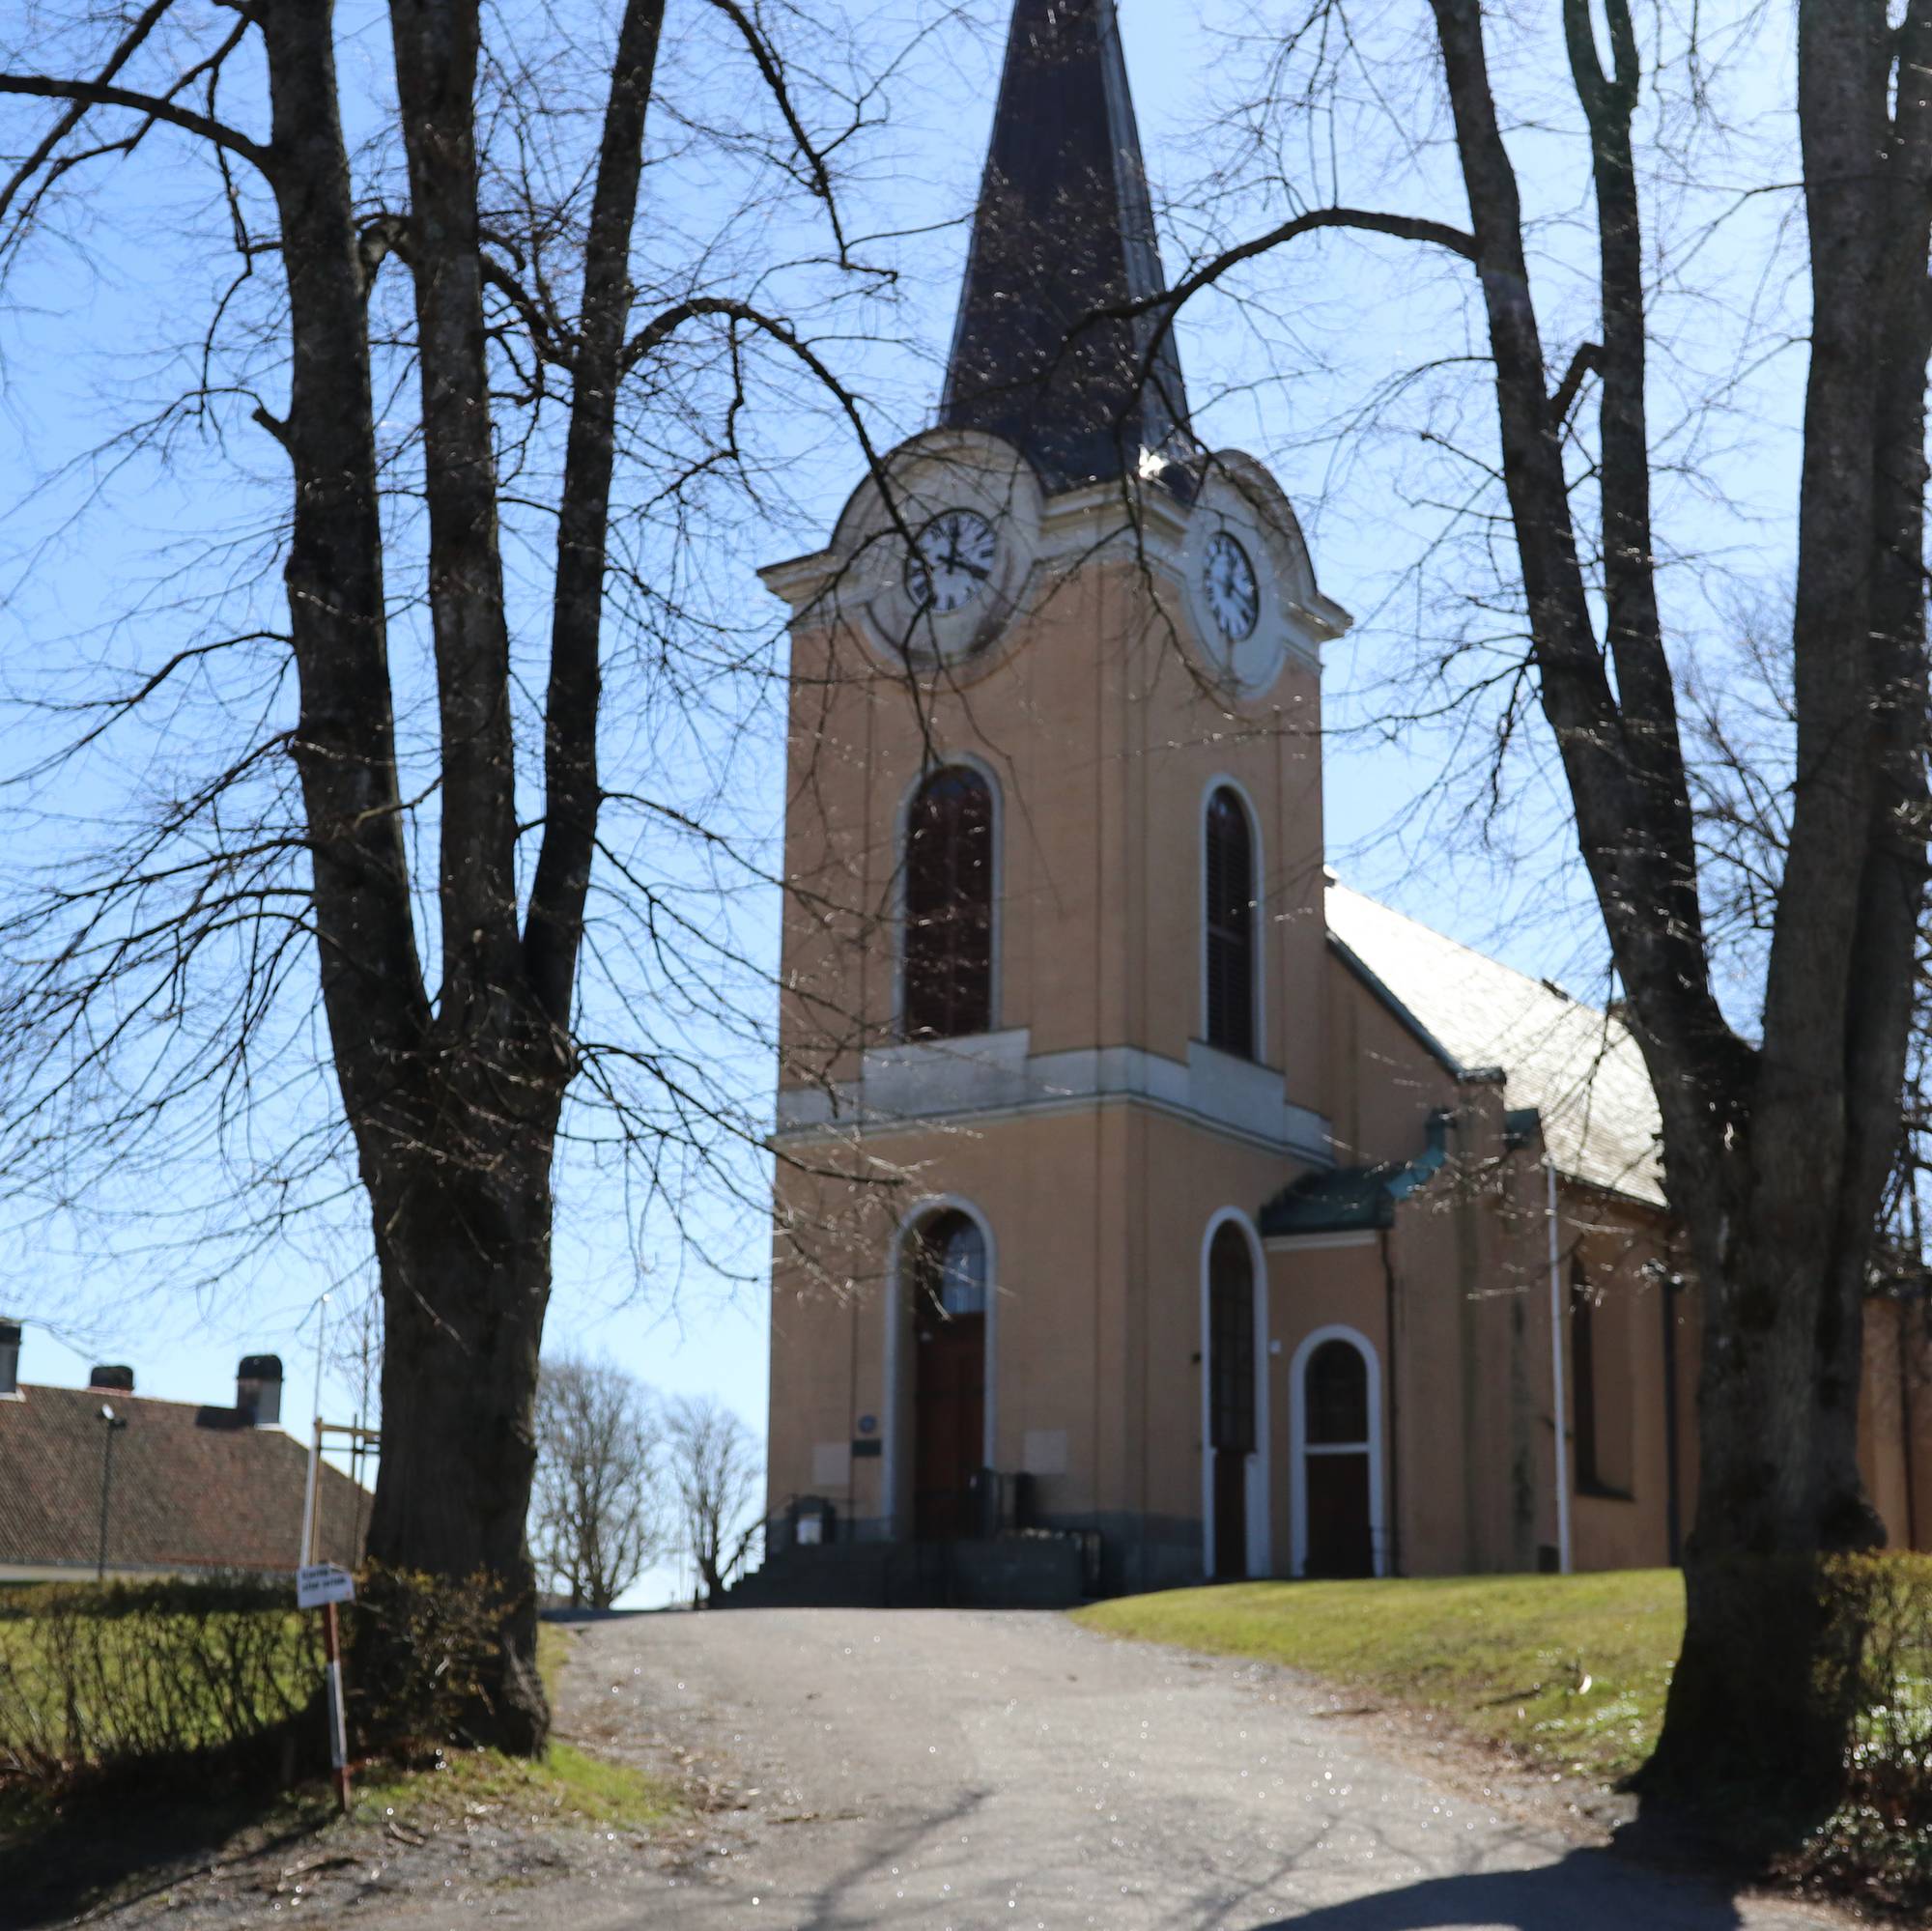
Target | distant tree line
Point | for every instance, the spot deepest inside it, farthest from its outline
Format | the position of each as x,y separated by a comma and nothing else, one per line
625,1482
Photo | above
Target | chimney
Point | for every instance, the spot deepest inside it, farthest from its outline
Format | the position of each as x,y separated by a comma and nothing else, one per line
9,1359
258,1389
120,1379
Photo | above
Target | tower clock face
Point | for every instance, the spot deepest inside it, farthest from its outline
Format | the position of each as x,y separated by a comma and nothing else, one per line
952,562
1227,583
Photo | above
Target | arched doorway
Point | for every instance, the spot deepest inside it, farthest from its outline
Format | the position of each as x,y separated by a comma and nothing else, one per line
1230,1395
1337,1456
948,1275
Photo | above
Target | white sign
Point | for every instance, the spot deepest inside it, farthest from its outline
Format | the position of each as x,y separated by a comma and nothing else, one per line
323,1582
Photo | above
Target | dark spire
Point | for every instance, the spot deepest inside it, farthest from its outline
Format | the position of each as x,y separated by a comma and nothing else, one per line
1065,226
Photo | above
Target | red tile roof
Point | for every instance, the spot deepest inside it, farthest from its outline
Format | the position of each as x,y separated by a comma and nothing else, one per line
193,1488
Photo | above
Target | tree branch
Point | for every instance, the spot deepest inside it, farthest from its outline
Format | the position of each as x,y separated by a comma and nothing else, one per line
1587,360
1367,220
775,79
93,93
554,924
662,326
143,26
1661,958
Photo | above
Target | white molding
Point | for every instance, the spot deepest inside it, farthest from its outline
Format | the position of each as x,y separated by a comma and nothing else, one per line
1300,1450
1249,1094
1314,1243
963,760
1257,921
923,1076
894,1467
1259,1474
856,576
990,1076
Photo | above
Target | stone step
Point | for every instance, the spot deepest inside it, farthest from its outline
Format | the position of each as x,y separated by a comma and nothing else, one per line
1004,1572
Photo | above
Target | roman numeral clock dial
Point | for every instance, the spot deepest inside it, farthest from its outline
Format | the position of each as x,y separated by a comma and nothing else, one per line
1227,583
951,561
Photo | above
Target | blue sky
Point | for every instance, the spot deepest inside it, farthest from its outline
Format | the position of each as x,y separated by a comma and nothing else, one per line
1336,318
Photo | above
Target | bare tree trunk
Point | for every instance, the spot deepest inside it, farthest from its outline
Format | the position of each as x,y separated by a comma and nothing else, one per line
452,1087
1768,1652
1776,1155
466,1279
454,1114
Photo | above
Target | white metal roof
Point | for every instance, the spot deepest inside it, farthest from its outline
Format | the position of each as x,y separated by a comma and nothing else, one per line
1577,1065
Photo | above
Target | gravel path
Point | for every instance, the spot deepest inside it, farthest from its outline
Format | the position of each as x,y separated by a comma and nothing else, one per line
968,1770
935,1770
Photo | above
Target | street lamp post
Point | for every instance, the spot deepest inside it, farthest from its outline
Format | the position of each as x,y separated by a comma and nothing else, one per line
112,1425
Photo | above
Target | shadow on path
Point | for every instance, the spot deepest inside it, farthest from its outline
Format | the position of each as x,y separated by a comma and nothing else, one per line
1586,1890
104,1843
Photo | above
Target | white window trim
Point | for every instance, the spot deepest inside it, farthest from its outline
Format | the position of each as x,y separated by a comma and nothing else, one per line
1261,1463
1258,936
1299,1449
901,817
899,1387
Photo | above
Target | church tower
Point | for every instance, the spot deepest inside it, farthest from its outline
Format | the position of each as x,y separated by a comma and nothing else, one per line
1054,956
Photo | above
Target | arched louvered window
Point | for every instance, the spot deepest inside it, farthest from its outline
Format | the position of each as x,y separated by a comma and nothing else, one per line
947,987
1230,924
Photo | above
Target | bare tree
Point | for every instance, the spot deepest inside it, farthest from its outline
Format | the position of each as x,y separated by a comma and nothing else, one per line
1779,1131
715,1472
501,405
598,1507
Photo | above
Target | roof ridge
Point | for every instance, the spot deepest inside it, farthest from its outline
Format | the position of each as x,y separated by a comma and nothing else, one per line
1546,987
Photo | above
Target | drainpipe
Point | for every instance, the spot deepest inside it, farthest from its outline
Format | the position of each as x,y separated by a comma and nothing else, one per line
1907,1425
1392,1535
113,1423
1669,1284
312,1489
1557,1378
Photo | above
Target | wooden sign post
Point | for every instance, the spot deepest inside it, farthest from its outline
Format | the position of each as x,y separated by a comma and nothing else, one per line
321,1585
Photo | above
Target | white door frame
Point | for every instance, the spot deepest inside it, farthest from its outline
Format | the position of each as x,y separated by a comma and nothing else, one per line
1300,1450
899,1384
1260,1480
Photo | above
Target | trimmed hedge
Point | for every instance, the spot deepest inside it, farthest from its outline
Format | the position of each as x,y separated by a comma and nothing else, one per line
1879,1842
93,1678
131,1678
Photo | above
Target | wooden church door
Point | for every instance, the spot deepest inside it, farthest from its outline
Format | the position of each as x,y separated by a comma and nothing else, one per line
1230,1406
949,1329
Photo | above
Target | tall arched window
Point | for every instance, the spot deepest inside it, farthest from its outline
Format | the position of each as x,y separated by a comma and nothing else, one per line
1230,924
948,987
1583,1373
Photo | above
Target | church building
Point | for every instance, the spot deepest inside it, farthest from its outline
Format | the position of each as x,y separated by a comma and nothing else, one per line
1142,1191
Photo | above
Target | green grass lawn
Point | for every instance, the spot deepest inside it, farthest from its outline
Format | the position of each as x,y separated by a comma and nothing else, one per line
1569,1670
566,1785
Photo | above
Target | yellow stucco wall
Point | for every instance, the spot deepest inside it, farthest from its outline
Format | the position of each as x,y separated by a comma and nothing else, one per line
1101,759
1088,717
